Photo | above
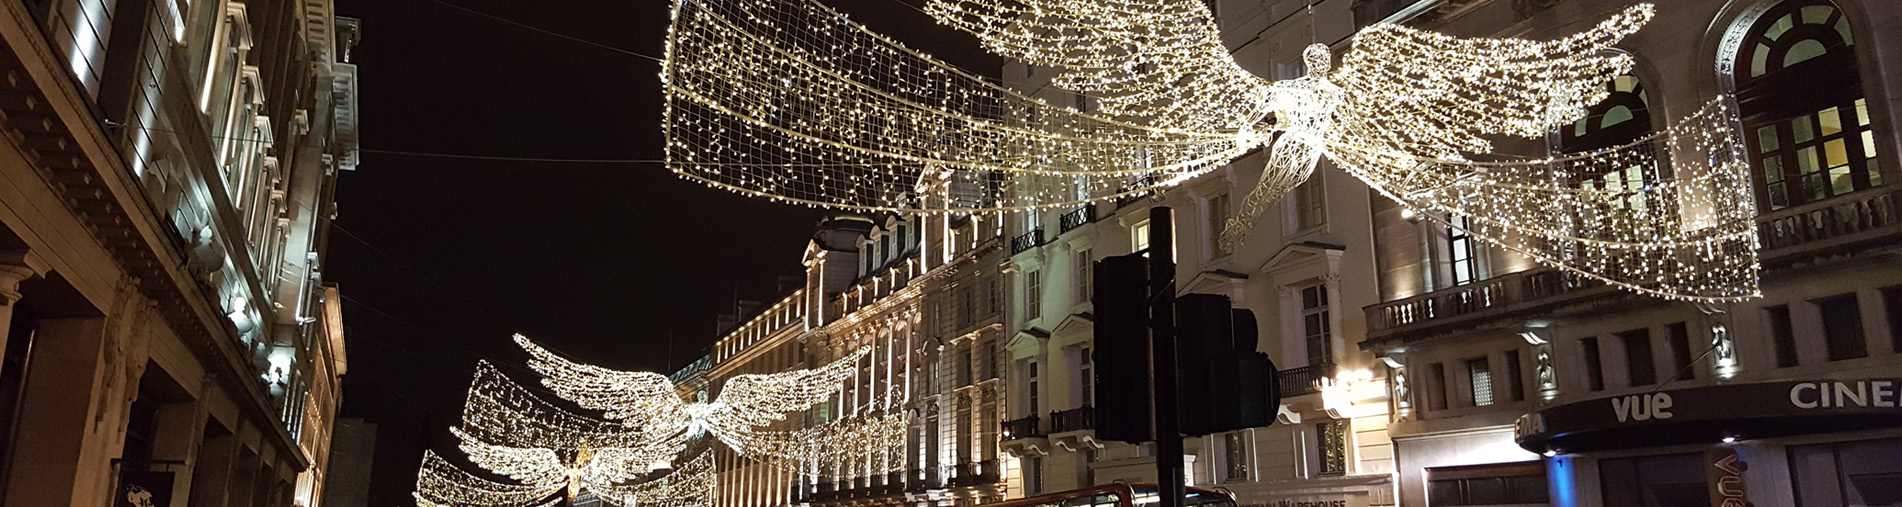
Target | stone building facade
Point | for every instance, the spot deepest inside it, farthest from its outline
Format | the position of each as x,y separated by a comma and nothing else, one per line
165,199
1500,361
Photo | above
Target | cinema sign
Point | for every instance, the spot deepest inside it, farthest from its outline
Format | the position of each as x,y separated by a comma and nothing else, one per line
1712,413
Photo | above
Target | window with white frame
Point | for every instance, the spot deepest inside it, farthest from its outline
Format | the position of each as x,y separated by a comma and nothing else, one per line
1086,378
1235,456
1033,295
1084,275
1316,325
1139,236
1310,203
1217,213
1462,252
1031,396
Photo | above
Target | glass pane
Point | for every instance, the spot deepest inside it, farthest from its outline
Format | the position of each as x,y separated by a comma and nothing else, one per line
1642,98
1578,129
1862,112
1831,122
1802,130
1486,491
1806,162
1779,196
1817,14
1803,51
1840,182
1869,153
1767,139
1814,187
1782,25
1773,169
1836,152
1759,58
1634,178
1625,83
1842,28
1616,115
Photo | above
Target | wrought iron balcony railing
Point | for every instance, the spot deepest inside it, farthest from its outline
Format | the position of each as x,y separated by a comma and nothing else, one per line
1076,419
1077,217
1027,427
1476,301
1027,241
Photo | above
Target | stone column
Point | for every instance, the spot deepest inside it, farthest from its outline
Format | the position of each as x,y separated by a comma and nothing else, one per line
64,454
15,266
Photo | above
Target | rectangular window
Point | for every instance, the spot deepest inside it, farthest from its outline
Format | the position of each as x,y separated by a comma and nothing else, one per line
1781,334
1218,221
1594,366
1139,237
1848,473
1681,355
1436,386
967,306
1842,327
1316,324
1892,298
1084,275
1032,395
1462,252
1480,376
1034,476
1493,484
1333,446
1086,377
1033,295
1235,455
987,360
1515,377
1310,203
993,297
1638,357
1655,481
964,367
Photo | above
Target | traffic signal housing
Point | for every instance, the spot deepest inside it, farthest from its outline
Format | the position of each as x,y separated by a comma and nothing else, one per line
1225,384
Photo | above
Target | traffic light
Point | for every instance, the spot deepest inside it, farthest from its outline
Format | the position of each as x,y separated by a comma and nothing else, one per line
1121,349
1224,383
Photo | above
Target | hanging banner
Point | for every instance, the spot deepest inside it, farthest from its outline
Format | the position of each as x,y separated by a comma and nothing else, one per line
143,489
1724,472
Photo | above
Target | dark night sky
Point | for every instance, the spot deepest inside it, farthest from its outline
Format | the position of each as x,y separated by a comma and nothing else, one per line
441,259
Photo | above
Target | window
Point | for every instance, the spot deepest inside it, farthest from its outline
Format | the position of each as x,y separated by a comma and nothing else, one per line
1139,237
1892,297
1638,358
1654,481
1033,477
1436,386
1800,95
1332,436
1623,117
1086,379
1493,484
1681,367
964,366
1316,326
1781,334
1515,377
1033,295
1217,214
993,297
1594,366
987,360
1842,327
1310,203
1481,377
1849,473
1083,275
1031,398
1461,252
1235,455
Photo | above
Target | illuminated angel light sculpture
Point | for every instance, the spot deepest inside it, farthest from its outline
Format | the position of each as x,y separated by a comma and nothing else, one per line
749,415
790,100
627,459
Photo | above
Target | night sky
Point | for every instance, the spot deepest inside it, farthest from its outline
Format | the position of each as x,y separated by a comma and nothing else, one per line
441,259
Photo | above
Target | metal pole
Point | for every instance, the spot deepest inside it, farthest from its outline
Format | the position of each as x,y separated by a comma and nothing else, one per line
1162,343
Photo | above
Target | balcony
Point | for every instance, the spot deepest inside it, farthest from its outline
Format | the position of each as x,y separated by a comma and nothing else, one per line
1819,228
1027,241
972,474
1145,181
1076,419
1475,303
1027,427
1304,380
1076,218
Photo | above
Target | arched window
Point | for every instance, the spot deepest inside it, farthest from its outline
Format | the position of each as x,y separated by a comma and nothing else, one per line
1622,118
1800,93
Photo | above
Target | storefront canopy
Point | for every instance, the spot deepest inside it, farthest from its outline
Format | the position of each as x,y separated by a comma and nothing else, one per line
1713,413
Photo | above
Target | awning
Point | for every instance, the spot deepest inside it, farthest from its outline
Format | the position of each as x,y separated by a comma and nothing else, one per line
1711,414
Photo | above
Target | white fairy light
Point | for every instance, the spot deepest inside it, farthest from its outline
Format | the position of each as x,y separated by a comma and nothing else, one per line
788,100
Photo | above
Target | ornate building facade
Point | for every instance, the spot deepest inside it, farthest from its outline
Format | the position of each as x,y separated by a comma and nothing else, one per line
165,199
922,295
1519,384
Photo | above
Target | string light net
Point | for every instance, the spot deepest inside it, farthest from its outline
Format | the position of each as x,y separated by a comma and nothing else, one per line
442,484
793,101
691,485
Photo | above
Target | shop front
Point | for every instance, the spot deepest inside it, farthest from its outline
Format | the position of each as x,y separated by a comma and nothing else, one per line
1797,442
1345,491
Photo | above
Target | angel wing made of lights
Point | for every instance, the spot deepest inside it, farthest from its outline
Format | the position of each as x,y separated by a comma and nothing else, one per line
791,100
